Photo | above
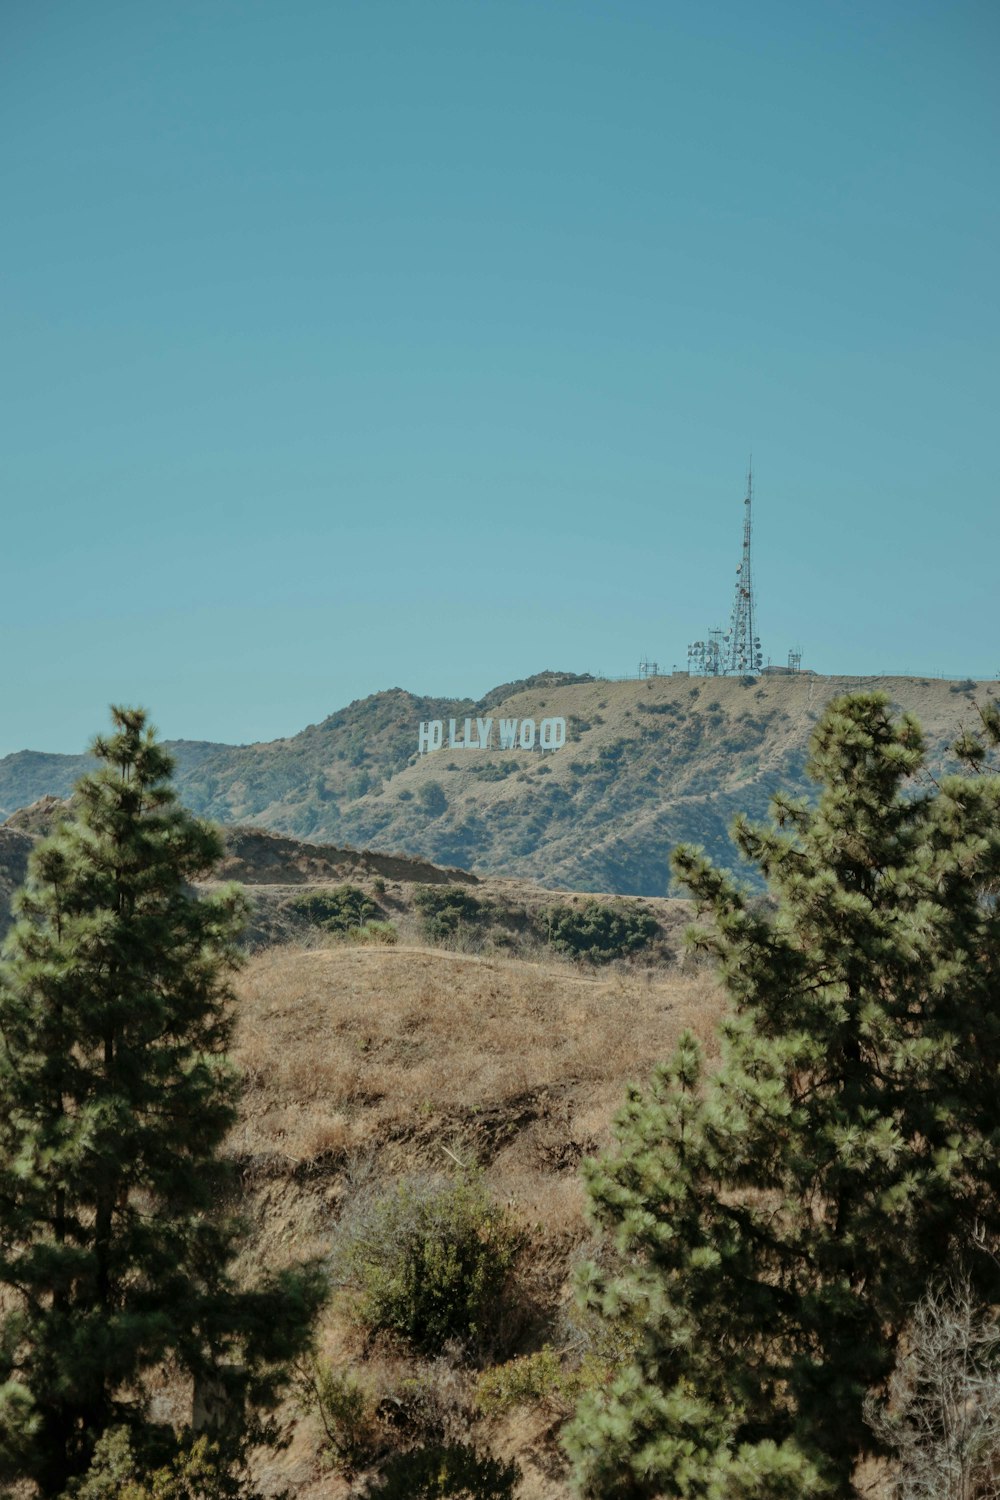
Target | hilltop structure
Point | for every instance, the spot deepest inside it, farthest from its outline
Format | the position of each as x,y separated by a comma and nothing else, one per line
735,652
744,654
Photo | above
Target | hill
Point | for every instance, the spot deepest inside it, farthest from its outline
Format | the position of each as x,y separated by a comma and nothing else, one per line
303,892
646,764
378,1056
366,1066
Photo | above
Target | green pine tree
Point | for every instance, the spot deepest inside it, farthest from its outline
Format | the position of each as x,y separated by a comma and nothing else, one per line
777,1222
115,1095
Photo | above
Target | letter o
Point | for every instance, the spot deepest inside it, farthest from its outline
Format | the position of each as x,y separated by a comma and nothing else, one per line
553,734
527,734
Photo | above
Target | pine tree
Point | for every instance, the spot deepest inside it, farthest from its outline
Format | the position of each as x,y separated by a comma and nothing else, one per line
115,1096
777,1222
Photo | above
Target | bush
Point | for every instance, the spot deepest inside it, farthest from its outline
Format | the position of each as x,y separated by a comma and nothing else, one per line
357,785
941,1422
447,1469
599,932
196,1472
533,1379
336,910
431,1259
538,1379
432,799
445,908
495,770
374,934
345,1410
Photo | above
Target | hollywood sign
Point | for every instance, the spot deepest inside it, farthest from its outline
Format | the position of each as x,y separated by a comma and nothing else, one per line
512,734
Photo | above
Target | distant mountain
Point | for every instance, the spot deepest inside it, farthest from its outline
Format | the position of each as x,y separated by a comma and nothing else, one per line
646,764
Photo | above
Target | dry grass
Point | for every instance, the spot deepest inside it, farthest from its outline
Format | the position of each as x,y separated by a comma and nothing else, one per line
344,1046
366,1063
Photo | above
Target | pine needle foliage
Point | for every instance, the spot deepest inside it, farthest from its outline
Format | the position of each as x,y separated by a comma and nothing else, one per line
780,1219
115,1095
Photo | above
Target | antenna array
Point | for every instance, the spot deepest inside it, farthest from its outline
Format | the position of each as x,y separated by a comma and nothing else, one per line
743,644
735,652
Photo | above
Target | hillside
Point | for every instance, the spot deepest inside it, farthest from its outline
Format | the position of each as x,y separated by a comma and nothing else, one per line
646,764
296,893
384,1057
368,1065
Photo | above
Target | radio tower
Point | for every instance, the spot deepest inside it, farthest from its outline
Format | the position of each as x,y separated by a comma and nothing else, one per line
743,654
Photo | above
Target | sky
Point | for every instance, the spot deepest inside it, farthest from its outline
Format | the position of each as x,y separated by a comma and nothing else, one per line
353,344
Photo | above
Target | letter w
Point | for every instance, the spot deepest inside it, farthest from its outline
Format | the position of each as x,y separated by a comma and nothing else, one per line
508,734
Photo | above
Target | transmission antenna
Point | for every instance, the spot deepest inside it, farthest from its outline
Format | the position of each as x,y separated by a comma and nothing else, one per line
743,654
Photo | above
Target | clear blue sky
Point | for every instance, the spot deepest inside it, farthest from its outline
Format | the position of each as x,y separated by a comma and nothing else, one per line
349,344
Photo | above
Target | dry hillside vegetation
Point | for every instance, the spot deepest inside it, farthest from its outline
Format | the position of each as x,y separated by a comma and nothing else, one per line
369,1065
646,765
293,889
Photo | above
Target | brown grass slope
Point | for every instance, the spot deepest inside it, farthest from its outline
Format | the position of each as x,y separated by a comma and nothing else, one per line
364,1065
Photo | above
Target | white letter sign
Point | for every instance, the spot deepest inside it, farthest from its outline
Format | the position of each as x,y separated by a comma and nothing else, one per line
515,734
431,736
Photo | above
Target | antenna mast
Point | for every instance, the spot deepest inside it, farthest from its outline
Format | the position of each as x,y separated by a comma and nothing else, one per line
743,653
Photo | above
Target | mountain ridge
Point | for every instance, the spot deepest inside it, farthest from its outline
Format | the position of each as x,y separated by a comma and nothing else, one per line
647,763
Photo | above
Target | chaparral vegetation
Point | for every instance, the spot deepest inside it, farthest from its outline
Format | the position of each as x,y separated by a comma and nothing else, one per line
370,1218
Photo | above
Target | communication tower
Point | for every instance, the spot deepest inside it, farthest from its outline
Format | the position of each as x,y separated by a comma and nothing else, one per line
742,644
708,658
735,652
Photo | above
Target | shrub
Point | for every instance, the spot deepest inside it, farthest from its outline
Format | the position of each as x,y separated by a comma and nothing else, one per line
538,1379
445,908
336,910
357,785
534,1378
494,770
374,934
599,932
432,799
345,1410
941,1421
431,1259
197,1472
447,1469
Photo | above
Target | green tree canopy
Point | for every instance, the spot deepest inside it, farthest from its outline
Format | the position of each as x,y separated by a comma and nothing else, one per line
115,1096
778,1221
